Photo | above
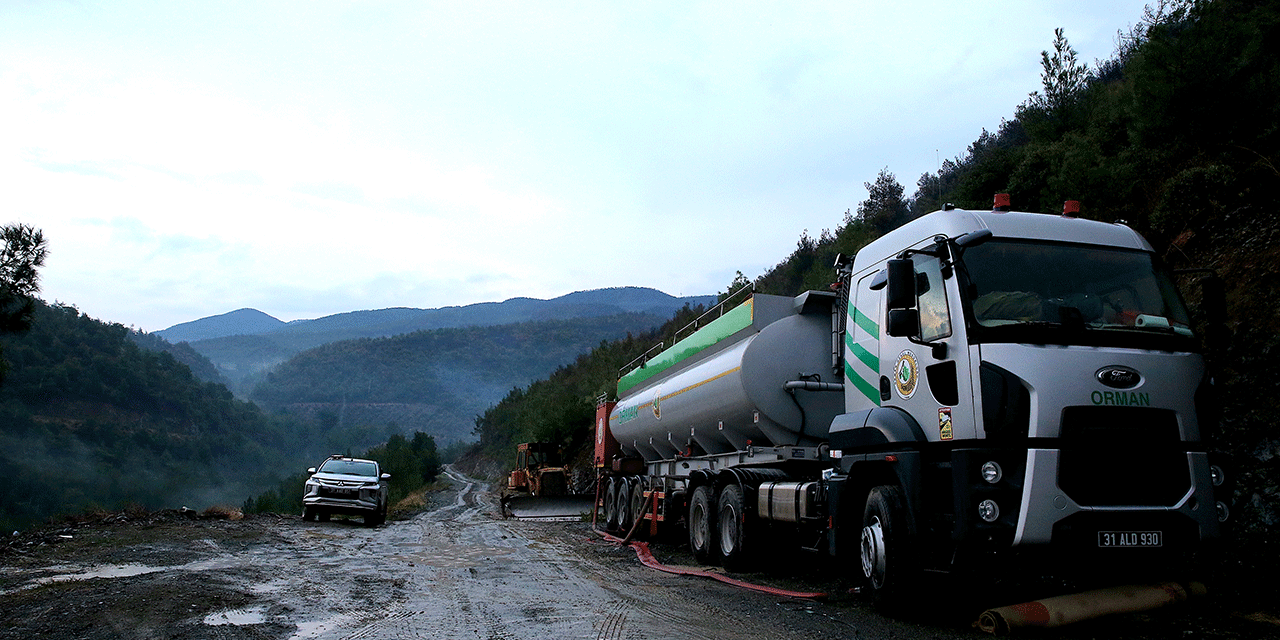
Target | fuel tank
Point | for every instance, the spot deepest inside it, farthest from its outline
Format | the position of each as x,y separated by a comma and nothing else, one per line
725,387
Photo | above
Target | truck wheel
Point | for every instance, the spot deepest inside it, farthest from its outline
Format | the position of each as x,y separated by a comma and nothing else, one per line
884,553
639,506
732,519
702,524
625,517
308,514
322,515
611,505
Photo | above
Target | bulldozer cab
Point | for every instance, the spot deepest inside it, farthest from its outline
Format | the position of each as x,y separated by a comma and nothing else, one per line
535,455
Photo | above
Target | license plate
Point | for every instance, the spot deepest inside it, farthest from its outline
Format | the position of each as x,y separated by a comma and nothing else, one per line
334,491
1130,539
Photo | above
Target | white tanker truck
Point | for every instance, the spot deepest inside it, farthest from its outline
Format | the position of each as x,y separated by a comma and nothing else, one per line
982,389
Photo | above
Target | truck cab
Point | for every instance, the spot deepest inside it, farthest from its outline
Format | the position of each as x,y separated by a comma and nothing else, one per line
1026,384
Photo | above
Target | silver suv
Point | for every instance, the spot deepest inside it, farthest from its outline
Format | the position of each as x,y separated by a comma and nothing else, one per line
348,486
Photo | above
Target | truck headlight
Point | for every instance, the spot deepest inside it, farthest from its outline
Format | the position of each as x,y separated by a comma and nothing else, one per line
988,510
991,472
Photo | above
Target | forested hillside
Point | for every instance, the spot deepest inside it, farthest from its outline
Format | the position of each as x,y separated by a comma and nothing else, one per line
432,381
560,407
88,418
1178,134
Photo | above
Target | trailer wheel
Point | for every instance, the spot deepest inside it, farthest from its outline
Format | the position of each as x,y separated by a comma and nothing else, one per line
625,516
884,556
732,522
611,505
639,506
702,524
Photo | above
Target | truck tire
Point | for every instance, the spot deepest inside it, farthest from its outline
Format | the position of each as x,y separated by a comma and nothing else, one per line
611,504
639,506
309,514
702,525
625,517
885,558
734,528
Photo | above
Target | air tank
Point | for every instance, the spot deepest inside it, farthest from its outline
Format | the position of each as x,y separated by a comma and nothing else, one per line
725,387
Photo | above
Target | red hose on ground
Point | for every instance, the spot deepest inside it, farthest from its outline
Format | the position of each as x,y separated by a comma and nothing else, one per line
647,559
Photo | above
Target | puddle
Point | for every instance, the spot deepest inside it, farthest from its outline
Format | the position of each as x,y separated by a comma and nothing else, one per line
107,571
237,617
71,573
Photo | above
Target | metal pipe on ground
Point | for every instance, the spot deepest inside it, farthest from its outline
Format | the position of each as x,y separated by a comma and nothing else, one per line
1064,610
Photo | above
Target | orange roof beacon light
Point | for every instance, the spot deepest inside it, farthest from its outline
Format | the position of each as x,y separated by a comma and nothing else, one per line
1002,202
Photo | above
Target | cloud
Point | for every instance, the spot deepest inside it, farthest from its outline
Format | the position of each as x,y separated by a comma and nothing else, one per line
313,158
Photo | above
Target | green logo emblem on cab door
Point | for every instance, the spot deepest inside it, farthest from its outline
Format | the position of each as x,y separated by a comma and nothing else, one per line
906,374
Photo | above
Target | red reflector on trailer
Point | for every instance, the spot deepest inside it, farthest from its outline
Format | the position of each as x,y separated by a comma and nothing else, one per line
891,458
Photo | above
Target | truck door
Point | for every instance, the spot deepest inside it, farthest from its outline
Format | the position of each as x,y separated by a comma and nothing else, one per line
928,375
862,368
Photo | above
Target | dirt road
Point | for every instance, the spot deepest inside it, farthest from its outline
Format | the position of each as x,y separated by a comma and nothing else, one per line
455,571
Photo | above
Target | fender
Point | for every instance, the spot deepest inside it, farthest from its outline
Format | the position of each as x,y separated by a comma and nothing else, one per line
865,439
881,428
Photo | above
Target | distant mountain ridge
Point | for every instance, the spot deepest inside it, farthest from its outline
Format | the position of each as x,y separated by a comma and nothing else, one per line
233,323
246,343
397,320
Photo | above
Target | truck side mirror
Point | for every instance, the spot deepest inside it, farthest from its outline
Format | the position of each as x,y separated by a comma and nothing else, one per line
901,284
903,323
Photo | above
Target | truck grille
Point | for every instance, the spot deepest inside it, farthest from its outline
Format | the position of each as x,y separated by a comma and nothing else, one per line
1122,456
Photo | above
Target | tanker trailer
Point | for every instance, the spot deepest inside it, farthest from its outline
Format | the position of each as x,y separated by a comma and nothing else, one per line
750,393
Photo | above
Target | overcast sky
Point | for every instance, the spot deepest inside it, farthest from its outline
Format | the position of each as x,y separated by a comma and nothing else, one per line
186,159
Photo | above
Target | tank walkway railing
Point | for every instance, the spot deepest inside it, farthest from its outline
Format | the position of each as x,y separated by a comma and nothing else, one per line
715,312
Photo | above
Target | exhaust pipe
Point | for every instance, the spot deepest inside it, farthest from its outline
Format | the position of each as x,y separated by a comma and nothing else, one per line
1064,610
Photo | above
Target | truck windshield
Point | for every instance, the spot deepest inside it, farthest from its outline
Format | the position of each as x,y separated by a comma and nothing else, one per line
350,467
1027,291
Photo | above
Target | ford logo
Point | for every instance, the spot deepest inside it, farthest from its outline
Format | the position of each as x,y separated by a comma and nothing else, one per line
1118,377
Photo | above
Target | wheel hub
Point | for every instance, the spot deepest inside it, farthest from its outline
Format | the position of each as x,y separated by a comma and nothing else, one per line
728,530
873,556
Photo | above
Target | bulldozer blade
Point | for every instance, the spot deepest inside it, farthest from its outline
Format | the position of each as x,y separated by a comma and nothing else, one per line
558,508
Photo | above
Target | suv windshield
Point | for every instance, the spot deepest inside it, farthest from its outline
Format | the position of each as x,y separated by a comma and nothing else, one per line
350,467
1022,291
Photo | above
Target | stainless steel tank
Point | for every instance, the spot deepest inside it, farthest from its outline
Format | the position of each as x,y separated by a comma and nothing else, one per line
733,394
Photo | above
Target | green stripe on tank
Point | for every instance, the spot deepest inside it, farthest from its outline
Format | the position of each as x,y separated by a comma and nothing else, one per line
733,321
869,390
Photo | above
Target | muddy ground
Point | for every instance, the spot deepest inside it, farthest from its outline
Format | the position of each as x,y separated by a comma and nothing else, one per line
457,570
